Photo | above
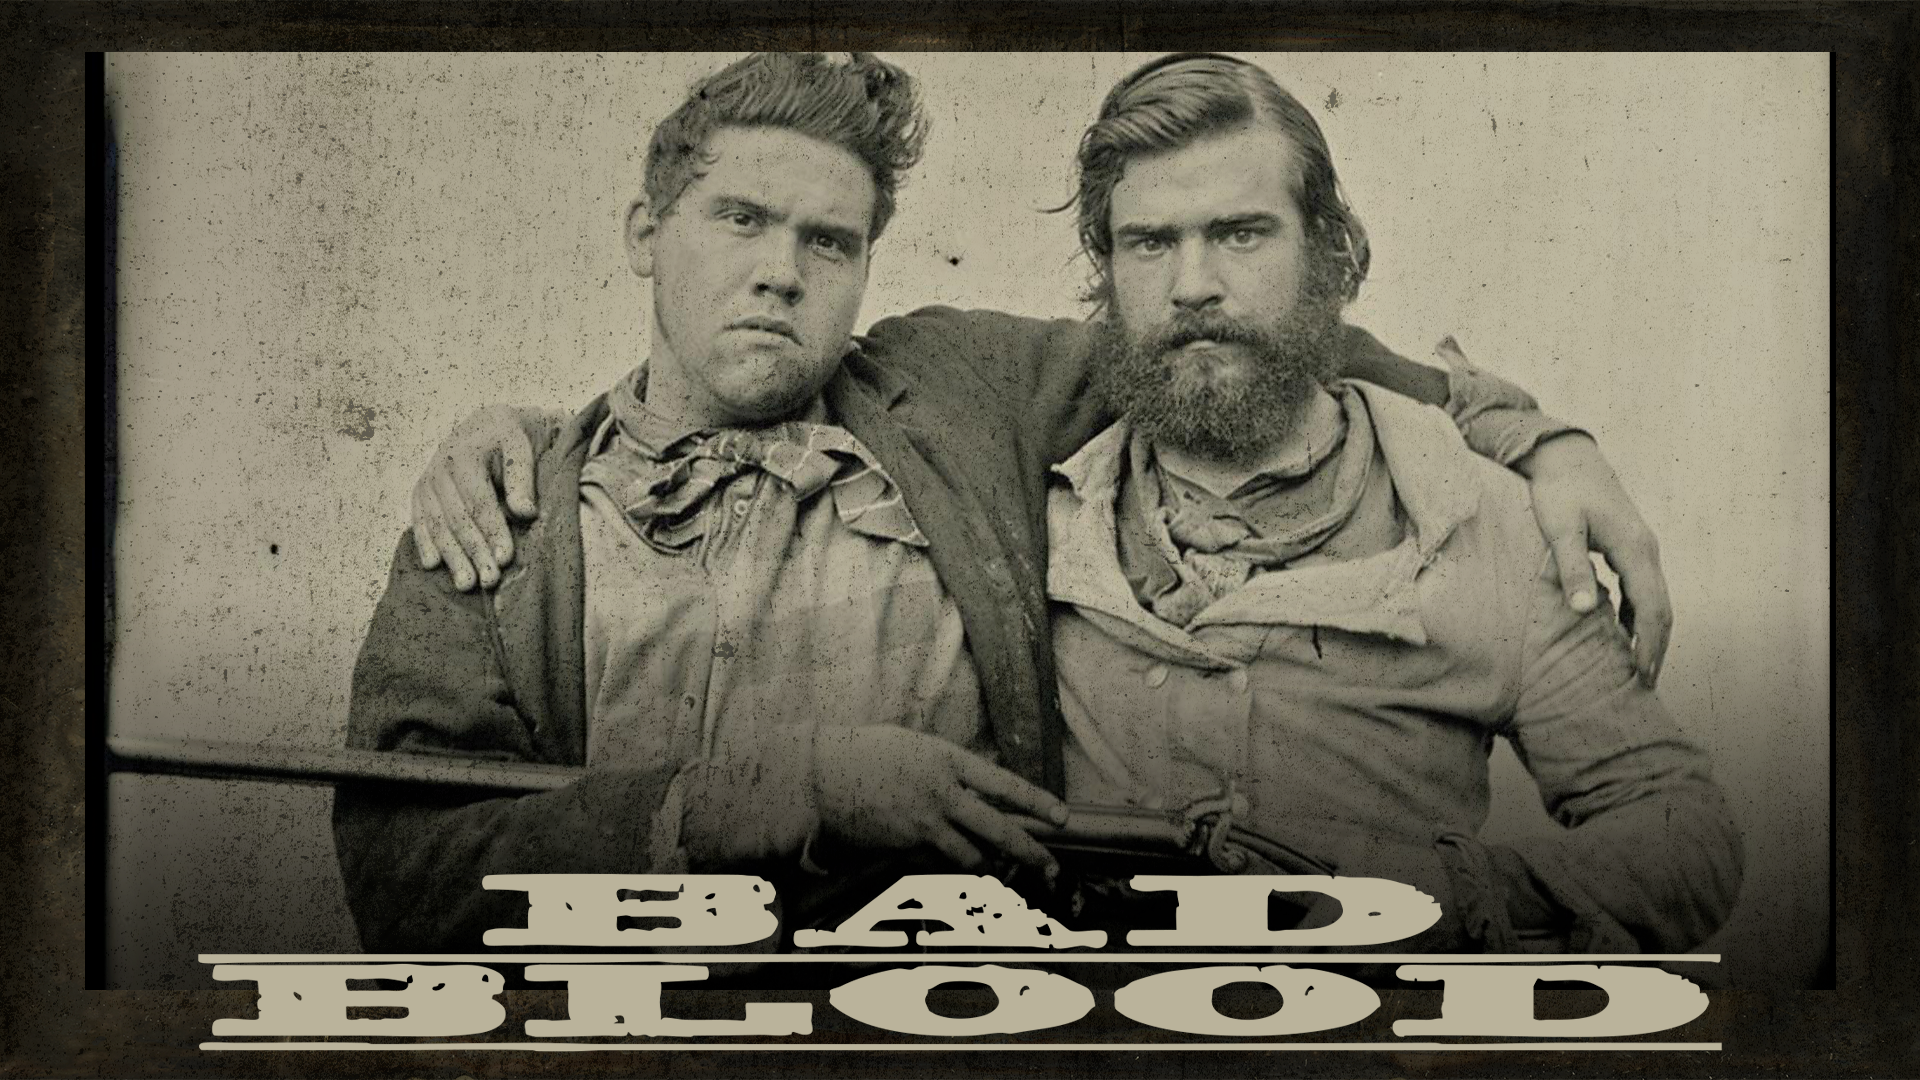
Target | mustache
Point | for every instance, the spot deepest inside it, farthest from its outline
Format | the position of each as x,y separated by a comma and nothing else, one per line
1185,329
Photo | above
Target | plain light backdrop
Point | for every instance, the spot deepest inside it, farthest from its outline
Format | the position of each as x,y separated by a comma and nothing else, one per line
326,260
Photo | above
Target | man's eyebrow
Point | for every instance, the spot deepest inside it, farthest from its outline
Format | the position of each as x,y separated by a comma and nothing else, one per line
1257,220
725,201
1135,230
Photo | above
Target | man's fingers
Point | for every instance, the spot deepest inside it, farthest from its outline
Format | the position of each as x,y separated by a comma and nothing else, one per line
442,539
476,491
957,847
1008,789
517,465
1649,652
1645,588
1576,570
1001,831
472,543
423,542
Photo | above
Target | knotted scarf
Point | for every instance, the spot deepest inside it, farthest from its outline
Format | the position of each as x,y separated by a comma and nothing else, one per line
1184,547
666,488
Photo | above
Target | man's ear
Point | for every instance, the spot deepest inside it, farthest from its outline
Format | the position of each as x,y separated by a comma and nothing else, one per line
639,232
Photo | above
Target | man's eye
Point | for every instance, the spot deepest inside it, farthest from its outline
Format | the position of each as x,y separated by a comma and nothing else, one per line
830,246
1243,238
1149,245
740,219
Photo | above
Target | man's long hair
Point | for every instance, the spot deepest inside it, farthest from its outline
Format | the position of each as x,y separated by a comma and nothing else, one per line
1179,99
855,101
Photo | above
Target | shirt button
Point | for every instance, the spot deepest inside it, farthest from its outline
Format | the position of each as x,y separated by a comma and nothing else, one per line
740,508
1238,680
1157,676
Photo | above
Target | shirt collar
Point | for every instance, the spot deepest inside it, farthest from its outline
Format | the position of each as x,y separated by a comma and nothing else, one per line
1431,467
640,459
1433,471
1093,472
655,436
1433,474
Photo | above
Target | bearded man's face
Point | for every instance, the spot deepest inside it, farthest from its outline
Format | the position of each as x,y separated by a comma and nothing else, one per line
1220,323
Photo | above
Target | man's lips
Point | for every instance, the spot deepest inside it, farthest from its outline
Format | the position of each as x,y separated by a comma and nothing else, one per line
1209,359
766,326
1201,346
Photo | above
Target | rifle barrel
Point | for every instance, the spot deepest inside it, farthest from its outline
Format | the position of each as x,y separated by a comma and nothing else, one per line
217,760
1126,829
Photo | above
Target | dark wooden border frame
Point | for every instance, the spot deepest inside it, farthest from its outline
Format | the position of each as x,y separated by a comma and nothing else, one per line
55,540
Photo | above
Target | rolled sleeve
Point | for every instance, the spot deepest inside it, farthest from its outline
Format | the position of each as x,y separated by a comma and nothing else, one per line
1500,421
1648,840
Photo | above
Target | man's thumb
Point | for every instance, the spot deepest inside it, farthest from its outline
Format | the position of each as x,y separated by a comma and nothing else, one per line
1576,570
518,483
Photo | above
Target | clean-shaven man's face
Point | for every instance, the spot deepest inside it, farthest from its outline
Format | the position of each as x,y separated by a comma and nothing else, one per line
1218,320
758,271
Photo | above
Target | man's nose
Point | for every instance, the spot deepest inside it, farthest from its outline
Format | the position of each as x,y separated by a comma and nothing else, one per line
778,273
1196,285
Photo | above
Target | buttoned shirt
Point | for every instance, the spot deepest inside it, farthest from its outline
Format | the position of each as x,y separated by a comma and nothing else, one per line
1349,704
765,614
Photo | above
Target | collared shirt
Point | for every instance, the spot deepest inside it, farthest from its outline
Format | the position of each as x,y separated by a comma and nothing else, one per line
1350,703
766,613
1182,547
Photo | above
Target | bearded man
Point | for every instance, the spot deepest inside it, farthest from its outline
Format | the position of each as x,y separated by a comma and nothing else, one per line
1305,598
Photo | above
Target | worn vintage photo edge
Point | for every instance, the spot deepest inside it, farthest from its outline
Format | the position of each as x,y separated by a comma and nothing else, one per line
61,405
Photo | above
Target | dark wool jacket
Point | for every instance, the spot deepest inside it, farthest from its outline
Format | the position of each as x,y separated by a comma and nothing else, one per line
966,410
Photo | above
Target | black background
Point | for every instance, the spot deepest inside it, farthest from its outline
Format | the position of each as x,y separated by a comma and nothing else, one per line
56,477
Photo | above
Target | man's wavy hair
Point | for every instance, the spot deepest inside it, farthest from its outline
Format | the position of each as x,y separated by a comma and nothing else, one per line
855,101
1180,99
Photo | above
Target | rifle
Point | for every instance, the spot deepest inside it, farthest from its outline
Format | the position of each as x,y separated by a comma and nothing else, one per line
1100,848
1201,835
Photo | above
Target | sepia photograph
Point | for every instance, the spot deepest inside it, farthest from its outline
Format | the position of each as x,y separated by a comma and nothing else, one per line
1050,468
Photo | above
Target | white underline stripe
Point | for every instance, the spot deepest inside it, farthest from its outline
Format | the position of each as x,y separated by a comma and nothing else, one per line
625,1047
957,958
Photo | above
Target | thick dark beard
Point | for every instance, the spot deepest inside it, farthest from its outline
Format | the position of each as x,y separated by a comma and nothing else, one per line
1138,377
